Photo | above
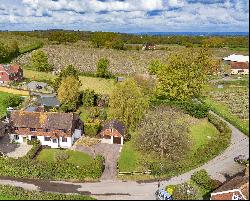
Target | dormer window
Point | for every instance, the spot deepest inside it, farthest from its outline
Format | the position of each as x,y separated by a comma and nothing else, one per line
16,128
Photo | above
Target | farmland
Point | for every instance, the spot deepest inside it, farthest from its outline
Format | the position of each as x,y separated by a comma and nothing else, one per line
231,102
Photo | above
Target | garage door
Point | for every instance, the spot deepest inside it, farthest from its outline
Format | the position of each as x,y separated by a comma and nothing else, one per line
117,140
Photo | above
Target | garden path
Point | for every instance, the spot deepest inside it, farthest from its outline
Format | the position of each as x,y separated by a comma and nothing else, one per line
218,168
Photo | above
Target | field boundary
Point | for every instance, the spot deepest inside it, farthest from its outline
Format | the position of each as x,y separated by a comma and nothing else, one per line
14,91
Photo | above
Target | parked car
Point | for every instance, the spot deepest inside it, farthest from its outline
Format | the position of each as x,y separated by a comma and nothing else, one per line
241,159
161,194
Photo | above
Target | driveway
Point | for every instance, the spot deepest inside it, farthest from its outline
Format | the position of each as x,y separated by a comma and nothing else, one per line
110,153
218,168
12,149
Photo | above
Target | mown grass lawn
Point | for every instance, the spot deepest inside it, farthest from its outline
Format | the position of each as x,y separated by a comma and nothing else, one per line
132,159
99,85
75,157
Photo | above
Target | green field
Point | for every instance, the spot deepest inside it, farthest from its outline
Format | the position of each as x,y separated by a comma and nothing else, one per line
134,160
99,85
17,193
75,157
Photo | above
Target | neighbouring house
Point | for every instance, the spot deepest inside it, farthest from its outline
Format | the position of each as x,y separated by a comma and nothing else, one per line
120,79
2,129
239,64
49,101
148,46
10,72
234,189
53,129
113,132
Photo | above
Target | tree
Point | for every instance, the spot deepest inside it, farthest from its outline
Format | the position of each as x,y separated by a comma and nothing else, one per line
68,93
185,75
39,61
69,70
127,104
12,100
154,66
88,98
102,68
164,132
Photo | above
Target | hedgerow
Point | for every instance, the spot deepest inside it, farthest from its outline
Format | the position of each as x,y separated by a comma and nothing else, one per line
19,193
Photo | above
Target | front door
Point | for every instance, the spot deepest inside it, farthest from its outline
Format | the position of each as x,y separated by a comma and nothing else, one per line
117,140
24,139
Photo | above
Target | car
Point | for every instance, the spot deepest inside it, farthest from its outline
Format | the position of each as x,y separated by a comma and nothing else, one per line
240,159
162,195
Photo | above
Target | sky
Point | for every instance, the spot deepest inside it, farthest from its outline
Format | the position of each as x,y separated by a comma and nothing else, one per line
126,15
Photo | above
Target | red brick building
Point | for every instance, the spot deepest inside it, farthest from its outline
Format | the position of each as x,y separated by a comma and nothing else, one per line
10,72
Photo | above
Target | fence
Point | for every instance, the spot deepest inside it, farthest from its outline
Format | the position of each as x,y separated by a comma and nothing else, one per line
134,173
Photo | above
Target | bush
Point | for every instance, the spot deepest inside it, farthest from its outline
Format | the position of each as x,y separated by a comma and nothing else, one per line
89,98
12,100
202,179
102,68
36,147
184,191
91,129
61,156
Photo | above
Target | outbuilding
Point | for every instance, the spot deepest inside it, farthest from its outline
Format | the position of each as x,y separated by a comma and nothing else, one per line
113,132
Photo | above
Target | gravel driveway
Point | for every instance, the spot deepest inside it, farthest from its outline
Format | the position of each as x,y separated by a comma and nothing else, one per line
110,153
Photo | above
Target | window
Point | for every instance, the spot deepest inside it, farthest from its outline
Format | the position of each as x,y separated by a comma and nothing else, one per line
46,130
46,138
16,128
16,137
32,129
33,138
64,139
54,140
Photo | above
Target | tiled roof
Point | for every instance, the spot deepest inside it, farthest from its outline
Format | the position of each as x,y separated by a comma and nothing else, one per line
10,68
239,65
114,124
49,120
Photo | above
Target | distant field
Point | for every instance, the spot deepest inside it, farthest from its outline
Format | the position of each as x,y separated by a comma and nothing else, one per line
99,85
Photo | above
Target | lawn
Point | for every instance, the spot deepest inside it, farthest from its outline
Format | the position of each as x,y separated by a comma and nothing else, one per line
134,160
17,193
99,85
75,157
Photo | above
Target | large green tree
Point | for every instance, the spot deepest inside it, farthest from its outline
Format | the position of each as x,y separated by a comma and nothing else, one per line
102,68
127,103
39,61
69,70
184,75
68,93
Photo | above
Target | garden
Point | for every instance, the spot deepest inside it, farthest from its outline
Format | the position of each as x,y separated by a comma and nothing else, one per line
203,141
53,164
231,102
18,193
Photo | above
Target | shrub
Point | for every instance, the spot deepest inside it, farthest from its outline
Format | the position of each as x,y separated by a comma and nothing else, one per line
184,191
88,98
202,179
12,100
36,147
91,129
61,156
195,109
102,68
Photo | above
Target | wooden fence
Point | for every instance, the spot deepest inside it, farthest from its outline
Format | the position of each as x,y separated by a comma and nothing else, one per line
134,173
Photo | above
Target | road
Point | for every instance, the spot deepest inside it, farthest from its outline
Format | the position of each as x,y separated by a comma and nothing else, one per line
218,168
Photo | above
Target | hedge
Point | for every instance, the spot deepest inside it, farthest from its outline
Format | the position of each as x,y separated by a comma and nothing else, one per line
36,147
19,193
202,179
193,108
27,168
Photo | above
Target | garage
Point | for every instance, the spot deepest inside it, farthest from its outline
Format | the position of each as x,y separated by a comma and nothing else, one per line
116,140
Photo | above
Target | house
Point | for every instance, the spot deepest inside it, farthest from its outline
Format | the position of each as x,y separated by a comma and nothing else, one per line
10,72
48,101
113,132
239,64
234,189
148,46
53,129
2,129
120,79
